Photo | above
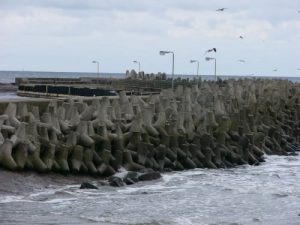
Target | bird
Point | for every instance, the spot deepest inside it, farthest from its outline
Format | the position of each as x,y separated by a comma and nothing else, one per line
274,70
298,68
211,50
241,37
221,9
241,60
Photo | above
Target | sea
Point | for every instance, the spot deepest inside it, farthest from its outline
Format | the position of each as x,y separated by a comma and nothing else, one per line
9,76
268,194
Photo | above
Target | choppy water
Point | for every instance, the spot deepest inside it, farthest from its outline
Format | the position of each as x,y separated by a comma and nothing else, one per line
268,194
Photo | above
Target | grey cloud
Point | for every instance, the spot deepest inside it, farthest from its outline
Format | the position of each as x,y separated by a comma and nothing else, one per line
132,25
146,5
133,5
264,9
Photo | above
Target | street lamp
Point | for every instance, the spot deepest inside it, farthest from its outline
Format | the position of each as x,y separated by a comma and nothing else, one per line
94,61
196,61
135,61
170,52
210,58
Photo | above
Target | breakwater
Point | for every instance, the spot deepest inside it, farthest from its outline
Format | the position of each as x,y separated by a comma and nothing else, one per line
208,125
95,86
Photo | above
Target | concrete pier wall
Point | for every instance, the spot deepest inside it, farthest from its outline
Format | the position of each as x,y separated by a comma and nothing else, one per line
48,87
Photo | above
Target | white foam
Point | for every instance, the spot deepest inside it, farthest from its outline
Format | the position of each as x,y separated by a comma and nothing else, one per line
64,201
10,198
51,190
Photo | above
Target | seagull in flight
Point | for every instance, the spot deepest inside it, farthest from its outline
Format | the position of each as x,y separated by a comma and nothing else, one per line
241,37
221,9
275,70
211,50
241,60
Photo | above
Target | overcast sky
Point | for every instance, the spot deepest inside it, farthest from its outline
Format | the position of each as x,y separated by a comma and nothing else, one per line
66,35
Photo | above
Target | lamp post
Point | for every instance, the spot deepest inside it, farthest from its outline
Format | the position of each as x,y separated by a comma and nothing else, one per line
196,61
210,58
94,61
138,62
170,52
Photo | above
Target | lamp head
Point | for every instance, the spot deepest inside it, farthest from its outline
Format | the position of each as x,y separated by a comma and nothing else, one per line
208,58
135,61
94,61
164,52
193,61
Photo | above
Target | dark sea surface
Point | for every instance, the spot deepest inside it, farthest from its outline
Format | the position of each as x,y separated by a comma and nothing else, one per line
268,194
9,76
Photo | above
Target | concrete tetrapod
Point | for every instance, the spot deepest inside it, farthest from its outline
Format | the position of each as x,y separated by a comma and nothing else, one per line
214,125
11,111
6,159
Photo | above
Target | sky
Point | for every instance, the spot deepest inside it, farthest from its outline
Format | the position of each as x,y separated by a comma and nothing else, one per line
67,35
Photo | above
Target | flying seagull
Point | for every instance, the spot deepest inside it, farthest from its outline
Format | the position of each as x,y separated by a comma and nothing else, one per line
211,50
241,60
221,9
241,37
274,70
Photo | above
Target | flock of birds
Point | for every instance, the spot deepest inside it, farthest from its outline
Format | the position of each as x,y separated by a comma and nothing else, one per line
241,37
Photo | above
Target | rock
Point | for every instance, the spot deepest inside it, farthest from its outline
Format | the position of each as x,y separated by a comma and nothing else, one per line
292,153
149,176
168,170
116,181
131,178
87,185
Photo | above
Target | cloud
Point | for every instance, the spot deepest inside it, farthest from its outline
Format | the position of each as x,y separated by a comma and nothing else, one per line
208,25
121,30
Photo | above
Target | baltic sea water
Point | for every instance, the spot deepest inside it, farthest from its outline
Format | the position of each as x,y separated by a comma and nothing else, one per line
9,76
268,194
